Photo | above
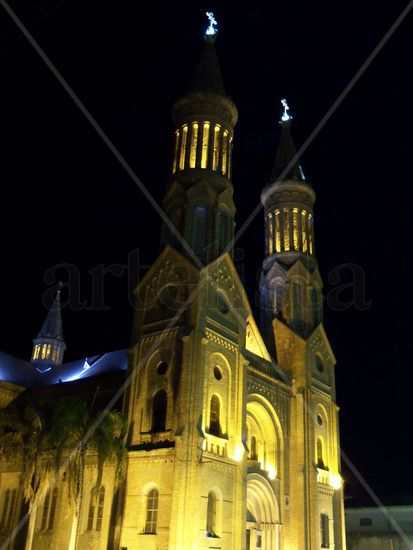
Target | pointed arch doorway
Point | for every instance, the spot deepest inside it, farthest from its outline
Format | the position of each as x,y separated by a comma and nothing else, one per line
263,517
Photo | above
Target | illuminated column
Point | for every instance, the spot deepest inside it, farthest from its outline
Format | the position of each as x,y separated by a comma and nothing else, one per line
194,144
205,143
295,230
215,153
182,154
270,234
225,147
176,149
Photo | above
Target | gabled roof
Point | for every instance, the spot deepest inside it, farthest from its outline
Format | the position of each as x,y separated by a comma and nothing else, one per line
19,371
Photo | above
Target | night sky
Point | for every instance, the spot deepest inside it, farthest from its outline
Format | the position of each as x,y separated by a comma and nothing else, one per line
66,199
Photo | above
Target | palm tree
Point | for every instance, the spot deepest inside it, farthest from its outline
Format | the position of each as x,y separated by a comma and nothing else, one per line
46,439
23,442
77,432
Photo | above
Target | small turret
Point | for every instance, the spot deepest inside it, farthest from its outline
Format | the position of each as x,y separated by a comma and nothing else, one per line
49,344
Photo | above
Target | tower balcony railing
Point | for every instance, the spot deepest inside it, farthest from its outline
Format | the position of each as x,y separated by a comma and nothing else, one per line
215,445
331,479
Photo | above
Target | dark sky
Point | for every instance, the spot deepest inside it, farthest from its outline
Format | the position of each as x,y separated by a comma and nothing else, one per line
66,200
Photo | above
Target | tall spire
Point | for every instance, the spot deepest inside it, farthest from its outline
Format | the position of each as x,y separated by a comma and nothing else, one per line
199,199
290,286
52,326
286,166
207,76
49,344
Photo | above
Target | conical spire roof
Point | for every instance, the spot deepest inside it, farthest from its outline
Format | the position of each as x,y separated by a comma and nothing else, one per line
52,327
207,76
286,167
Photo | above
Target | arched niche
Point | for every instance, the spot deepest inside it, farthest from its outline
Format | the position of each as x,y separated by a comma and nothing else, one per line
264,425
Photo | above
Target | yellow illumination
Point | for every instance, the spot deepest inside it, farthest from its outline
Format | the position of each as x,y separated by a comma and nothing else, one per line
310,234
286,230
270,235
335,480
194,143
48,351
239,452
271,472
44,347
175,161
215,156
295,229
225,153
229,157
205,141
277,232
304,229
183,148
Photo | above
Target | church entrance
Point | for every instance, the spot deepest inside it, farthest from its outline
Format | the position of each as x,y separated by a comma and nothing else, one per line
263,520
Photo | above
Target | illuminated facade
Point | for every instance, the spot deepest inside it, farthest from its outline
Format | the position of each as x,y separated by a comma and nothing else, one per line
233,428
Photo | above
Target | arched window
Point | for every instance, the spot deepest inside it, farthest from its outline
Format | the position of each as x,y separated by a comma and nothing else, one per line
297,300
199,229
205,145
320,453
49,509
159,409
175,159
315,305
211,519
215,153
96,512
214,416
286,235
254,454
183,147
324,531
194,145
152,504
8,510
223,229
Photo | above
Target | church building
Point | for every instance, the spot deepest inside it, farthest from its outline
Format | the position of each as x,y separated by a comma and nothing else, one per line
233,425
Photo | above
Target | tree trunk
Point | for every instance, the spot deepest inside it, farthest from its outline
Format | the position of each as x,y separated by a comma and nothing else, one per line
74,533
32,524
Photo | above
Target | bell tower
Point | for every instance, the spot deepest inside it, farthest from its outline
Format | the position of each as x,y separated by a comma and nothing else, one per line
199,193
291,319
289,240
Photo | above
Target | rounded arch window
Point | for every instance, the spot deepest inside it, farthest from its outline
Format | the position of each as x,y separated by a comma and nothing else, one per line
319,420
217,372
162,367
319,364
222,303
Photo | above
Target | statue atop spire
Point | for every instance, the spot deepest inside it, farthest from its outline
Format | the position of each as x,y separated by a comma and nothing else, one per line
211,30
285,116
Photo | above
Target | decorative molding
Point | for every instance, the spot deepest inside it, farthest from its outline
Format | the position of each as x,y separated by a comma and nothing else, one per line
213,337
161,335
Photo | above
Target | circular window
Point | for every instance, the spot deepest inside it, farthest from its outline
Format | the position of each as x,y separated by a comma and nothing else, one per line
217,373
162,367
318,363
319,420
